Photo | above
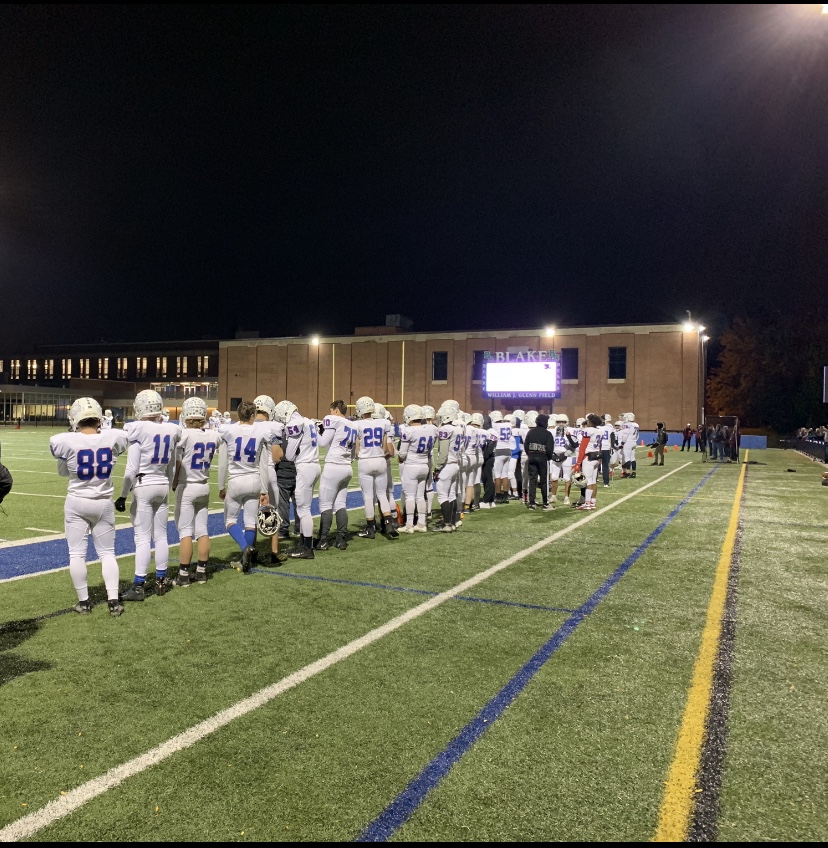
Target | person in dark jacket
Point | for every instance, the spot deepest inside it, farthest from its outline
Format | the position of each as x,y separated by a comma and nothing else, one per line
540,448
687,436
487,471
659,443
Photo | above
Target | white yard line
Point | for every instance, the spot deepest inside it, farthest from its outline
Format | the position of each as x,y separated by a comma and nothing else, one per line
40,530
64,805
35,495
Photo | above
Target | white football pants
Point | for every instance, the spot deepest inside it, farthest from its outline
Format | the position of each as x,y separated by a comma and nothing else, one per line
307,473
192,502
242,495
333,486
629,451
373,480
150,513
447,483
501,466
80,517
415,477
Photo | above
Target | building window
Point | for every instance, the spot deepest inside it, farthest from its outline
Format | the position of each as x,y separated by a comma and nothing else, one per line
140,367
439,366
122,367
84,368
569,363
181,366
48,369
478,361
1,366
15,369
617,361
103,369
66,368
31,368
160,366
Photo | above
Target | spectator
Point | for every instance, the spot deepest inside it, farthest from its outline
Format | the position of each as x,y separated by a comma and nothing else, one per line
659,443
687,435
701,438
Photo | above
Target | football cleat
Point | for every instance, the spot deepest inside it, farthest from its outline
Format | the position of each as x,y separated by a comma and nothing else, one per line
302,552
566,501
322,545
163,586
134,593
277,558
341,544
368,532
406,529
183,578
83,607
115,608
420,528
249,558
548,507
201,576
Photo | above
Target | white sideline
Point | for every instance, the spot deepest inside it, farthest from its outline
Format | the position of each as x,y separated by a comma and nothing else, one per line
64,805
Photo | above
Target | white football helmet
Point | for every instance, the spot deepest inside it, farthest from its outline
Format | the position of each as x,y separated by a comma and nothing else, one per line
165,415
451,404
607,418
265,405
108,413
283,411
193,408
413,413
511,419
147,404
579,479
628,416
563,420
226,416
429,412
495,416
364,405
579,422
519,414
379,411
446,414
267,520
465,417
531,418
618,425
476,419
82,409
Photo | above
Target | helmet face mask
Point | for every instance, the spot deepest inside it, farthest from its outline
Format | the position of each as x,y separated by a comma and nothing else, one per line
148,404
84,409
579,479
365,406
267,520
193,409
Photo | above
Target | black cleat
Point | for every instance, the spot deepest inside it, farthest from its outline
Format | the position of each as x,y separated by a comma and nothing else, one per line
341,543
163,586
322,545
134,593
369,532
249,557
183,578
301,552
83,607
277,558
115,608
531,506
201,576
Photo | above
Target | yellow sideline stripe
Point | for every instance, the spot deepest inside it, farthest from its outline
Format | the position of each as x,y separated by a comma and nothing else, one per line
680,788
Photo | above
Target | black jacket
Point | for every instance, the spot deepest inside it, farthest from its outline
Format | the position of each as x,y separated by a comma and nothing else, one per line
539,442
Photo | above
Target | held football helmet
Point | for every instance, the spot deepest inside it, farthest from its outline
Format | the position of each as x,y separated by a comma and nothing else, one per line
364,405
495,417
148,404
579,479
265,405
429,412
82,409
283,411
476,419
193,408
267,520
413,413
531,418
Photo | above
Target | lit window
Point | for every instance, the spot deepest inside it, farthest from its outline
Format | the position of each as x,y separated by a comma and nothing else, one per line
66,368
83,365
181,366
103,369
31,366
160,366
15,369
48,368
122,367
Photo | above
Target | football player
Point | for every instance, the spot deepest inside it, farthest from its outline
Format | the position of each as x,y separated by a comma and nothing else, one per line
242,478
302,448
382,414
227,418
87,456
165,416
149,471
265,412
589,457
191,483
607,447
106,422
416,444
514,458
372,448
447,464
473,462
431,487
339,437
561,464
629,438
502,431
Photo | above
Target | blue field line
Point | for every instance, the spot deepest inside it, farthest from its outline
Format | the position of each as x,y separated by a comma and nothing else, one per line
367,585
397,813
37,556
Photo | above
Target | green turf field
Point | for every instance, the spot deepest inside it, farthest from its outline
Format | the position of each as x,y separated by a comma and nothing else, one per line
580,752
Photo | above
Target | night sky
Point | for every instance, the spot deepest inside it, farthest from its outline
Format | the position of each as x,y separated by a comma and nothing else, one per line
182,172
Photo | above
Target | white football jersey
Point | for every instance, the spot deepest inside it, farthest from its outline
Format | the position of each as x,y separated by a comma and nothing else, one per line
276,436
595,436
245,444
371,435
89,459
157,443
503,434
420,441
607,432
340,438
106,423
470,442
195,452
302,440
629,432
456,436
562,444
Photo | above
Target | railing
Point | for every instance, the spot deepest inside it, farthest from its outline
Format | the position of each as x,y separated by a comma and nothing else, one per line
815,448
